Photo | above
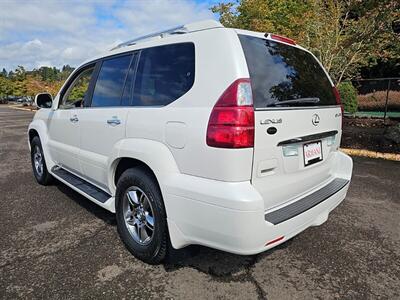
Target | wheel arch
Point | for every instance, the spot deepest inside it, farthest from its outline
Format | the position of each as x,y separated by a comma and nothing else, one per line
124,163
151,155
156,157
32,133
38,128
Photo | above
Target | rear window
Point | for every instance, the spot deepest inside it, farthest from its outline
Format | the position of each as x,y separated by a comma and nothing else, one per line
110,81
164,74
283,75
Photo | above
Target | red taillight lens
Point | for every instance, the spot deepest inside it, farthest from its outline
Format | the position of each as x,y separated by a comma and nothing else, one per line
337,97
231,123
230,137
236,116
282,39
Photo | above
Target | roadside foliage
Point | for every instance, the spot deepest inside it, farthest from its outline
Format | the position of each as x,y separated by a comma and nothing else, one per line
29,83
344,35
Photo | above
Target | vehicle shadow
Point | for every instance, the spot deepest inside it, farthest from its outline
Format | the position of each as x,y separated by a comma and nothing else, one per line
214,262
91,207
210,261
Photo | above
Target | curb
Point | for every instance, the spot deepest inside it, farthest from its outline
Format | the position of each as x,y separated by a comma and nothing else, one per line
20,108
371,154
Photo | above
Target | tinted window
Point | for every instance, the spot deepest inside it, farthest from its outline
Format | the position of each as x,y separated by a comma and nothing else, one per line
110,82
164,74
76,92
126,96
280,72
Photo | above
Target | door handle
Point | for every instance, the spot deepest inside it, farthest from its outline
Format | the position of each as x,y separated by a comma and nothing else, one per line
74,119
113,122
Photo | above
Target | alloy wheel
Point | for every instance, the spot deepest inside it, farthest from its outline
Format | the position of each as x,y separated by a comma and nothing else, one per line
138,215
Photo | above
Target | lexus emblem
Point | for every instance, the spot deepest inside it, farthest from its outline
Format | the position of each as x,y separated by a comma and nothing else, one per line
315,120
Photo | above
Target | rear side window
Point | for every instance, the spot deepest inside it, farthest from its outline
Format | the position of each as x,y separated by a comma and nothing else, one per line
110,81
280,74
164,74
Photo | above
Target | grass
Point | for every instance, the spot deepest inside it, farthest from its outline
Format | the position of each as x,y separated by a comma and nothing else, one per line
378,114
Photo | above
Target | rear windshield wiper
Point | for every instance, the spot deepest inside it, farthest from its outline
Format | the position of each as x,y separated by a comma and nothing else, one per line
296,101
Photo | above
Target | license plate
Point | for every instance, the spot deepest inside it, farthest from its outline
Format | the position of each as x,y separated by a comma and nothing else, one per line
312,153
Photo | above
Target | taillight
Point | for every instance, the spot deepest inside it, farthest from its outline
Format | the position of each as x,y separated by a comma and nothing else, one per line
337,97
282,39
231,123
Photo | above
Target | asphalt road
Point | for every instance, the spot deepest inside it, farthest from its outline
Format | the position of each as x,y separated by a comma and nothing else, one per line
56,244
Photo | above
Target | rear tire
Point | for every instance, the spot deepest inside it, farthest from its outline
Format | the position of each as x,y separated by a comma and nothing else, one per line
38,161
140,215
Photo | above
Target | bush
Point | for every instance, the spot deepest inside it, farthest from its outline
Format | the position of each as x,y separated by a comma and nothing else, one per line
376,101
348,95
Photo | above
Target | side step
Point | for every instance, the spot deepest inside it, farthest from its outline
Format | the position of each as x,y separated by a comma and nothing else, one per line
81,184
306,203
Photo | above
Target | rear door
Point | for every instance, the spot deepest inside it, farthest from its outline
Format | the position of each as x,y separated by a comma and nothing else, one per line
103,121
297,120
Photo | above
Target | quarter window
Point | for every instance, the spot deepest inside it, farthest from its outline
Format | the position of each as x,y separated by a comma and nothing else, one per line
110,82
164,74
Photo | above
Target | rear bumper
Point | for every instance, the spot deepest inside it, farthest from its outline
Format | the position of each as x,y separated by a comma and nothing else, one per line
231,216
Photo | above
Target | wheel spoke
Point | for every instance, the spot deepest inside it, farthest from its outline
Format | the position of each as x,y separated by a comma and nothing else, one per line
149,221
133,198
130,221
139,231
142,198
145,236
128,213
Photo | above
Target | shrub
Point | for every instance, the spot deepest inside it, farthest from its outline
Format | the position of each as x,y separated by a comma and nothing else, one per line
376,101
348,95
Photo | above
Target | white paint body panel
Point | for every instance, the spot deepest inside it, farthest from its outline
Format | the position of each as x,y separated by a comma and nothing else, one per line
214,197
291,171
94,154
64,139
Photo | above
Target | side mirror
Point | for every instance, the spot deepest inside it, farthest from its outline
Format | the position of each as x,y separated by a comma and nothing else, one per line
44,100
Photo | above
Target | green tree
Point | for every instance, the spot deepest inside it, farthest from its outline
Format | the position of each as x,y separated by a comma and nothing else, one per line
344,34
5,87
20,73
344,40
18,81
65,72
277,16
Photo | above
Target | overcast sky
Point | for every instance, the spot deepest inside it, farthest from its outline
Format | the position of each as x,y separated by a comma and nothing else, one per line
54,33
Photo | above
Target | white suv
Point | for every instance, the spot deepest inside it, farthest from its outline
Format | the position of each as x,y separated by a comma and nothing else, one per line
198,135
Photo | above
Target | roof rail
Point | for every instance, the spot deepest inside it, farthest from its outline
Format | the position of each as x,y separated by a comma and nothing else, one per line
196,26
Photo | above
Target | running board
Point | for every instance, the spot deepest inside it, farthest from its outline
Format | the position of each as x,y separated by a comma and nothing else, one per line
81,184
287,212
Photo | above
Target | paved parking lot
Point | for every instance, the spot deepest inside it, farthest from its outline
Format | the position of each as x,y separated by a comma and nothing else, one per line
56,244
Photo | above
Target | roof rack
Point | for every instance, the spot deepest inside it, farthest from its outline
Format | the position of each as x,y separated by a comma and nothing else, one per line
182,29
